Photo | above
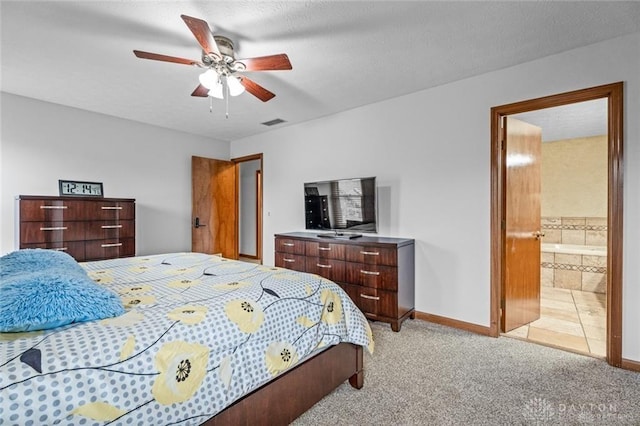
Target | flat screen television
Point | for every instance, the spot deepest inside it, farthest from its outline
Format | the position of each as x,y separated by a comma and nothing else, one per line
348,205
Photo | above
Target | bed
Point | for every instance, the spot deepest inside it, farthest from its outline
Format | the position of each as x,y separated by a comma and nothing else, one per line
202,340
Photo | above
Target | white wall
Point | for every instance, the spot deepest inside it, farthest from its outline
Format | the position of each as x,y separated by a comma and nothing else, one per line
42,142
431,154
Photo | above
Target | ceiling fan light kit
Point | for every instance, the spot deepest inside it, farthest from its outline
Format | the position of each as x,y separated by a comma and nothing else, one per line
218,58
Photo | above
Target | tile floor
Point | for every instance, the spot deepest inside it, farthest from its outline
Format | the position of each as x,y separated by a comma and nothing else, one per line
569,319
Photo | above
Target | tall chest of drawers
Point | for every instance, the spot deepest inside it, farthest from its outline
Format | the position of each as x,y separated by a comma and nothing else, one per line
86,228
378,273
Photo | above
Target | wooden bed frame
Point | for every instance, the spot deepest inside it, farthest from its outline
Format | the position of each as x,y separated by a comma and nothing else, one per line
282,400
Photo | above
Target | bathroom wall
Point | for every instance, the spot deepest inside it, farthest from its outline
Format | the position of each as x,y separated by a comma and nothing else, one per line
574,177
574,269
574,211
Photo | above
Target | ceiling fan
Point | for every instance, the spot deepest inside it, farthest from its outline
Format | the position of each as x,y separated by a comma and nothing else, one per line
223,70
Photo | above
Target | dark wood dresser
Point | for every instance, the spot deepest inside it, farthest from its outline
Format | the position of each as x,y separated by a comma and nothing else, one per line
87,228
378,273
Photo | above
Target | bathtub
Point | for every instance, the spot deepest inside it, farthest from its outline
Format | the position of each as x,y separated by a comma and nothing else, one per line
574,249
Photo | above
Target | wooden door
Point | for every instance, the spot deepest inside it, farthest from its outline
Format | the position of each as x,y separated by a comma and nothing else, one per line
521,289
214,210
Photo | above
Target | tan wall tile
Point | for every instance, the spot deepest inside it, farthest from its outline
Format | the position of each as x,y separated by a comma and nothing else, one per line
550,220
596,221
568,259
600,261
546,257
574,220
571,236
546,277
595,282
568,279
596,238
552,236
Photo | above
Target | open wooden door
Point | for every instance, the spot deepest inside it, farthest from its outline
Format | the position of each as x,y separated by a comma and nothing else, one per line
214,207
521,288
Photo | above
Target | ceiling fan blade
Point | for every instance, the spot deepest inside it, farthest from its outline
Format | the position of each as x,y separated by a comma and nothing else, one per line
256,90
202,32
165,58
201,91
267,63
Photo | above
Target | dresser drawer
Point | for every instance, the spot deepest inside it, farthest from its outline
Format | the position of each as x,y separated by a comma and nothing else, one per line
331,269
45,232
73,248
376,272
325,250
110,248
374,276
51,210
372,302
285,245
112,210
372,255
100,230
290,261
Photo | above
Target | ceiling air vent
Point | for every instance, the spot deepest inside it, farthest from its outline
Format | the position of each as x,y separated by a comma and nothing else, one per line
273,122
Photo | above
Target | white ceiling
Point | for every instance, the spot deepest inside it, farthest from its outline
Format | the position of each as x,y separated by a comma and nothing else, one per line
579,120
344,54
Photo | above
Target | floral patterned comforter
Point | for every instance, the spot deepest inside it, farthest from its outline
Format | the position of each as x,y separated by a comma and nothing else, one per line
200,332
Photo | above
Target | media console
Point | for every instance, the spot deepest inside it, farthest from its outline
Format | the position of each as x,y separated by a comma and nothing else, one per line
340,236
378,273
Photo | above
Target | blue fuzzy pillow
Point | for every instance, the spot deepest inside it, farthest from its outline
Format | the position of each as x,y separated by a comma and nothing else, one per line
37,297
29,260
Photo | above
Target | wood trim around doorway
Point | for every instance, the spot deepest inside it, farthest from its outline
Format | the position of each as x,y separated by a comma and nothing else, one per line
614,94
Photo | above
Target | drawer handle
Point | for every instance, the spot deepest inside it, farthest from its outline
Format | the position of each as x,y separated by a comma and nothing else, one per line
289,260
112,245
370,253
366,296
324,248
111,226
60,249
369,272
111,207
320,265
53,207
54,228
288,244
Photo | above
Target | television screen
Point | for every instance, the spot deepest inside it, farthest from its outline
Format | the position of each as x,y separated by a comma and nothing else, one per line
344,204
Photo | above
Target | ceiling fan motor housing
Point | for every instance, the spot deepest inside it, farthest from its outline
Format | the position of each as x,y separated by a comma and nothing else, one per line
227,64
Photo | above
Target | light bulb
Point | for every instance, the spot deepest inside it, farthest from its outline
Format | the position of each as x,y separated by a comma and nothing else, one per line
216,90
235,87
208,79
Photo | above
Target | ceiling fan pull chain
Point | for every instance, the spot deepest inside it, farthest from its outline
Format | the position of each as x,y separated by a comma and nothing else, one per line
210,104
226,99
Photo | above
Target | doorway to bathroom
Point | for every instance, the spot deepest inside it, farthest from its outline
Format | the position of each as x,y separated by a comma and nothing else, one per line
250,208
557,222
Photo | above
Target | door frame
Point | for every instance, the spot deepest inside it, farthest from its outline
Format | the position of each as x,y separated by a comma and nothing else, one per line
614,95
259,193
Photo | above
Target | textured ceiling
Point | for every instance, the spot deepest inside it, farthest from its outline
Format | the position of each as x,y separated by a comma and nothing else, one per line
578,120
344,54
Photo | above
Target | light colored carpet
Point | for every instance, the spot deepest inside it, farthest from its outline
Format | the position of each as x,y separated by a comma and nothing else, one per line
433,375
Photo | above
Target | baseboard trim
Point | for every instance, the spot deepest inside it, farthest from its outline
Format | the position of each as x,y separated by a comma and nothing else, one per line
450,322
628,364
